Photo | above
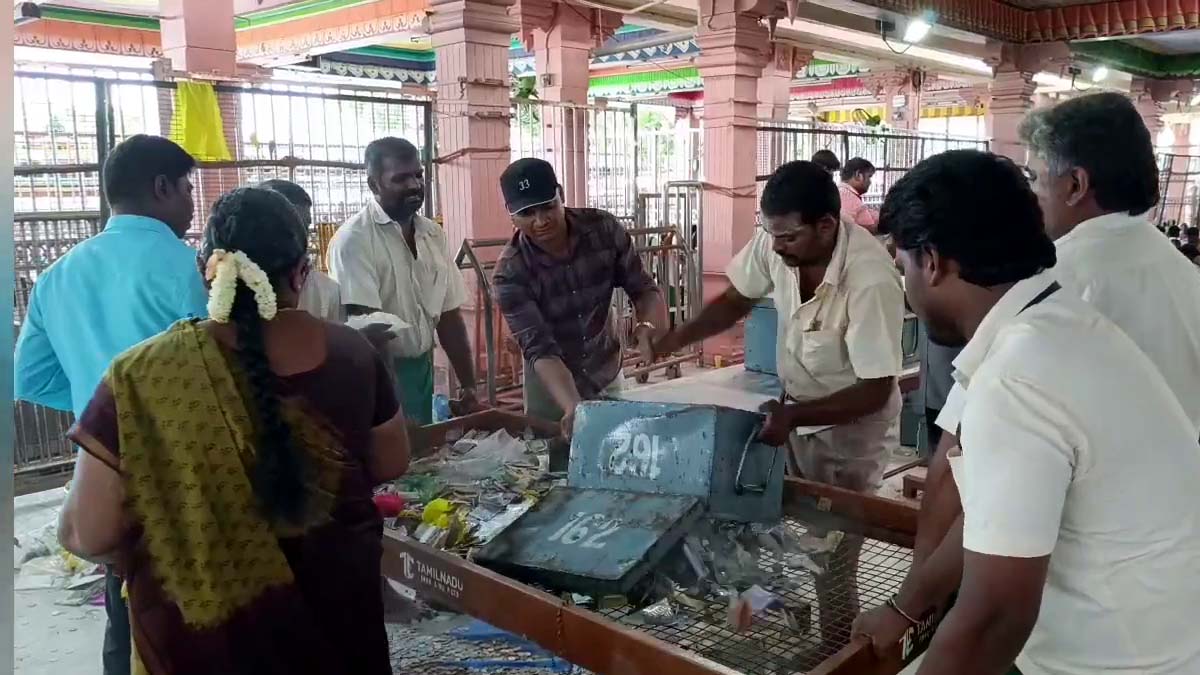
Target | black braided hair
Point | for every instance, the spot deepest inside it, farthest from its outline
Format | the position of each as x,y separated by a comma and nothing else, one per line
266,227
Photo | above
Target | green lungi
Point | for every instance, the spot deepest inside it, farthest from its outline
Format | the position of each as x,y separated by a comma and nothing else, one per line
414,386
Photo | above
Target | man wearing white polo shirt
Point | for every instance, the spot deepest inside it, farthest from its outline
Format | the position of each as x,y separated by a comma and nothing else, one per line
1093,169
1077,558
841,312
389,258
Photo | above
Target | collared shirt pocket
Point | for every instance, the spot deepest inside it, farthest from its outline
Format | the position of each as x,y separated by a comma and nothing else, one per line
821,352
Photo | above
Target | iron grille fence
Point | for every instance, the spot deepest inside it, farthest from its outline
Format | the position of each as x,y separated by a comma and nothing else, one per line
591,147
1178,191
892,152
65,126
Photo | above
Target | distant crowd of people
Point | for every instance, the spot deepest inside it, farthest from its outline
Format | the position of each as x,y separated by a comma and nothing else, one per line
1186,240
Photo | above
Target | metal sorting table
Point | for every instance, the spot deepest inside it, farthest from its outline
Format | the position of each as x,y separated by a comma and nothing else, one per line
702,644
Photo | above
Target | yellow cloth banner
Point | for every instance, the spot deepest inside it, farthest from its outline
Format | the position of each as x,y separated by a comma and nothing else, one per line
197,126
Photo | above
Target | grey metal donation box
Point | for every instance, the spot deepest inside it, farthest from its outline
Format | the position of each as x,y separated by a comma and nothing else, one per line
591,541
703,451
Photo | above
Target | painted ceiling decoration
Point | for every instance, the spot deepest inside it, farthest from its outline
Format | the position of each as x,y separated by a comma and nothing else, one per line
330,66
1032,21
671,50
292,11
1134,60
649,83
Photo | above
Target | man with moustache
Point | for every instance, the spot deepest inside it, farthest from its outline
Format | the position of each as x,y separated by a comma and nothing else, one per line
841,312
389,258
1073,560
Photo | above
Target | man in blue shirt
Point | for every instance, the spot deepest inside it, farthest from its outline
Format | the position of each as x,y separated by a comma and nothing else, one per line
110,292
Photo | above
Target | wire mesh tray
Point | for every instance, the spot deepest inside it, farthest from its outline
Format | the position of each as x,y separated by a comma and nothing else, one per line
770,646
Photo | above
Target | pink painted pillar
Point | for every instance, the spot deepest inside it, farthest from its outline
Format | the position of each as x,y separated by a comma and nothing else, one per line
734,49
198,37
562,51
1011,99
471,40
733,53
775,85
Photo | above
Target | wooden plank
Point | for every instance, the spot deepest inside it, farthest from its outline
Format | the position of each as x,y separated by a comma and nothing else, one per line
876,517
577,635
859,658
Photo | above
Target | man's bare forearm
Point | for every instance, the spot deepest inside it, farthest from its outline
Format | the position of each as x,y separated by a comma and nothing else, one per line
940,503
843,406
558,381
650,308
931,582
985,631
452,332
717,317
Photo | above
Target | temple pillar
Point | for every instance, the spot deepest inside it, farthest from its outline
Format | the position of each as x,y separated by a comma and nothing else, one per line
1011,99
733,51
775,85
1012,93
198,37
471,41
561,37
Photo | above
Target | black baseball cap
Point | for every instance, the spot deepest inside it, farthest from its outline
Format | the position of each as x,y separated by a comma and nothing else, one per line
528,182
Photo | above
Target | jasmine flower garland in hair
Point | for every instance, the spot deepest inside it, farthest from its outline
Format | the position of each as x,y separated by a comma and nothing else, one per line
223,270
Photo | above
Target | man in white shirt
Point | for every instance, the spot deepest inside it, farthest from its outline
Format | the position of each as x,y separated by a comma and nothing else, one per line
841,312
320,296
1076,560
389,258
1092,166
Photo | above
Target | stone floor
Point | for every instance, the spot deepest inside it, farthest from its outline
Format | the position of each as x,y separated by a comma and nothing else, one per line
50,637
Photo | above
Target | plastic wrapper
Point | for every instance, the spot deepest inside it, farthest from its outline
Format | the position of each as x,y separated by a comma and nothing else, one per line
754,601
395,323
661,613
476,459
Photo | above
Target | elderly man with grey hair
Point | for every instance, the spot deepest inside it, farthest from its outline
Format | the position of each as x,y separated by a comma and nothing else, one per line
1091,164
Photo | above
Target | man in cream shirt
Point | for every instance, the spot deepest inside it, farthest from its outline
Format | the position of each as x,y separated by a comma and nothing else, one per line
841,312
1075,558
388,258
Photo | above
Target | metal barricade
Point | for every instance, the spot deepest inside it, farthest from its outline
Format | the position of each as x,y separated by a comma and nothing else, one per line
592,148
1178,191
893,152
503,367
65,126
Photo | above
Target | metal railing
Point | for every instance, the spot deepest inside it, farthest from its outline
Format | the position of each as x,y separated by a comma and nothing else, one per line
893,152
1178,191
65,126
592,148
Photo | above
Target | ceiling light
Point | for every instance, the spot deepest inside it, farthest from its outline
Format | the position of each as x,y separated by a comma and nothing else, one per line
919,26
1099,73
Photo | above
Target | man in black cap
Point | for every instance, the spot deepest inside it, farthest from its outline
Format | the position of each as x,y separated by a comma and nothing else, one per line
554,283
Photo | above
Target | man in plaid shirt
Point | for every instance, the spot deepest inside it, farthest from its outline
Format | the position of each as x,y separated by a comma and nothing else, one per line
554,283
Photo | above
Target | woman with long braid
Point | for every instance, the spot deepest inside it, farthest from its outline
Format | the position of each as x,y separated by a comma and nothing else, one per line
228,469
